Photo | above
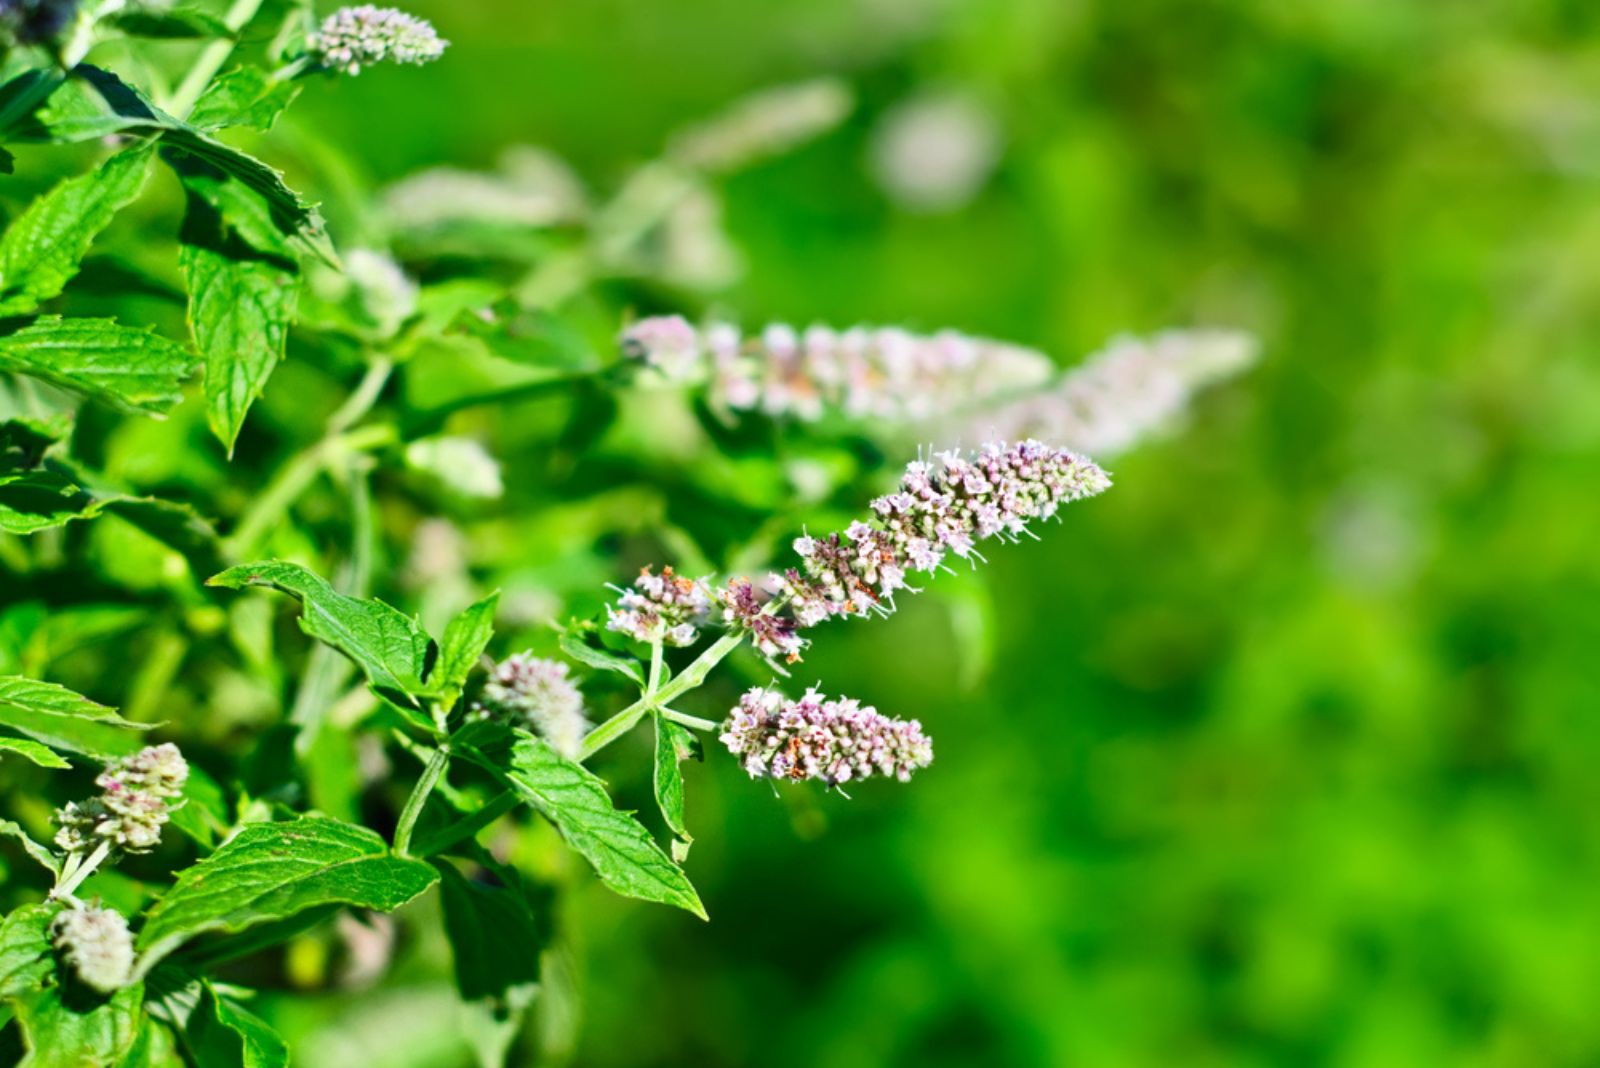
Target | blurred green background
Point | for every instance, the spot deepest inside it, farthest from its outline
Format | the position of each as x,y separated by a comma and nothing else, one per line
1286,754
1282,752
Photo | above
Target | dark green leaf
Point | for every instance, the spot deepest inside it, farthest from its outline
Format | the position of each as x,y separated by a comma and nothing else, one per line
203,815
169,23
62,719
270,871
128,367
384,642
41,755
41,250
217,1031
573,645
494,936
244,96
464,642
241,302
23,441
615,844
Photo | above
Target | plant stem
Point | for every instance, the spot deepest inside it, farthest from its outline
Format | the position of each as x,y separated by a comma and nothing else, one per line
692,676
292,480
419,798
690,721
460,831
74,878
655,668
211,59
362,398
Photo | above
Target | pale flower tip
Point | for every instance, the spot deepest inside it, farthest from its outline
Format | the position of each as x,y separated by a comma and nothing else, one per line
96,945
355,37
536,693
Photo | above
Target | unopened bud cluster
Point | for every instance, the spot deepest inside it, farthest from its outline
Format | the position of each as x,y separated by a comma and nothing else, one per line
862,372
1132,388
356,37
96,945
943,506
538,694
771,633
133,805
667,608
834,741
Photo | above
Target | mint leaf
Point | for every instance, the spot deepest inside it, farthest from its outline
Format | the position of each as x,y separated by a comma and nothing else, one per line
494,938
31,847
245,96
217,1031
38,500
62,719
41,755
573,645
26,960
674,743
615,844
387,644
241,302
128,367
464,642
41,250
169,23
270,871
62,1030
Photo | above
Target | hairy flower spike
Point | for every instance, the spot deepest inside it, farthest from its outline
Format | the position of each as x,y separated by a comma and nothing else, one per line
835,741
356,37
772,634
1125,392
864,372
665,607
96,944
132,807
537,692
947,505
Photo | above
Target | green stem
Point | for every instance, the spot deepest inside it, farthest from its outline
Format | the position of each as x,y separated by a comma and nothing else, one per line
692,676
211,59
419,797
74,878
362,398
293,479
460,831
690,721
655,668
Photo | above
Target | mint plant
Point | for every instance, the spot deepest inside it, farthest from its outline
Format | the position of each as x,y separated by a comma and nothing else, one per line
253,782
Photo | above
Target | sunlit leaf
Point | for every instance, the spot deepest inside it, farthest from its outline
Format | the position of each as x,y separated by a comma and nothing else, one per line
62,719
123,365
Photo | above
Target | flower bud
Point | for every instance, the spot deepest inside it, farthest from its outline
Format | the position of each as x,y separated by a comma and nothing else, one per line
537,693
96,945
355,37
132,807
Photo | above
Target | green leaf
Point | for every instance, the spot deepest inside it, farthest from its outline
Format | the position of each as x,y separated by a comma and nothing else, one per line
241,302
169,23
573,645
128,367
39,754
387,644
31,847
615,844
217,1031
245,96
494,937
42,249
23,441
65,1027
62,719
203,815
174,524
26,960
95,103
270,871
465,639
674,743
39,500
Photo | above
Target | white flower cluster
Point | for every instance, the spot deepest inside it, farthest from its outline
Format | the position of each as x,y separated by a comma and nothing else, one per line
537,692
1132,388
136,797
836,741
356,37
863,372
667,608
